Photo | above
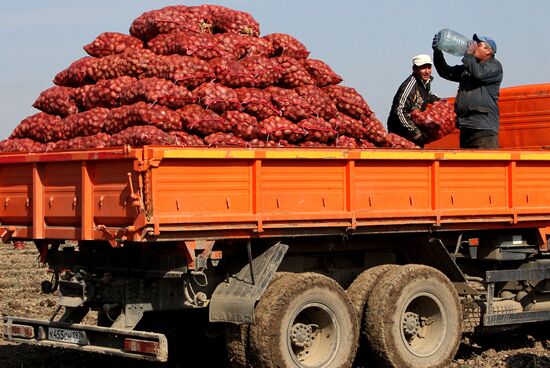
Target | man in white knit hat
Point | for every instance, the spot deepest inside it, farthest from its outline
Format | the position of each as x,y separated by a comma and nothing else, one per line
413,94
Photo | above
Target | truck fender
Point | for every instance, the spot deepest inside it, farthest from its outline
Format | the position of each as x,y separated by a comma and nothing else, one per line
234,299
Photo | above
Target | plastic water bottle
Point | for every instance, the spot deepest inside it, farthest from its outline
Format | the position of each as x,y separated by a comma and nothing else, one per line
452,42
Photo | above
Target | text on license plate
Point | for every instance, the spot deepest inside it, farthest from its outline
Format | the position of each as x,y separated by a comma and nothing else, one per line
65,335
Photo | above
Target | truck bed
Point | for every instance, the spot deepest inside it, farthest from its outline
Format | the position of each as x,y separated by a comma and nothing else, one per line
167,193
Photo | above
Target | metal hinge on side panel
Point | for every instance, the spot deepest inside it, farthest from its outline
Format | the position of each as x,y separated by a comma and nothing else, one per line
145,165
234,300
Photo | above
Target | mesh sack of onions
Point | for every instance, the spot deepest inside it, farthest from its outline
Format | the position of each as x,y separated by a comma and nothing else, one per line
231,46
347,142
105,93
201,121
99,140
24,145
186,139
57,100
171,19
85,123
348,101
234,46
224,139
321,72
437,120
266,71
286,45
311,144
374,130
318,101
363,143
277,128
185,70
293,73
234,21
142,113
251,71
141,135
289,102
201,45
112,43
158,91
257,46
245,126
257,102
217,97
89,70
262,143
318,130
230,72
39,127
348,126
396,141
75,75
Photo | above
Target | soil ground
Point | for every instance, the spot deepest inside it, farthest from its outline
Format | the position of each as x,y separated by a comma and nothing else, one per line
20,295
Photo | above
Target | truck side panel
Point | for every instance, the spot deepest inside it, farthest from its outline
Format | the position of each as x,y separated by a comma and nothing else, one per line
185,194
65,199
281,191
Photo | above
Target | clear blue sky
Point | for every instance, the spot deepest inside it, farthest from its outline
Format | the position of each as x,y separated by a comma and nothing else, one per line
369,43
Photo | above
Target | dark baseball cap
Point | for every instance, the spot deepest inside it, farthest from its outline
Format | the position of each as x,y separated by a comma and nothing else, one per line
488,40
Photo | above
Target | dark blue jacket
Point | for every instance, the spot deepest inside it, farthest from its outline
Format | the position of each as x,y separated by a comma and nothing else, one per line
476,103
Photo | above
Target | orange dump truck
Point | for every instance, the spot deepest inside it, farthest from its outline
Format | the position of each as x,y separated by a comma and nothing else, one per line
293,253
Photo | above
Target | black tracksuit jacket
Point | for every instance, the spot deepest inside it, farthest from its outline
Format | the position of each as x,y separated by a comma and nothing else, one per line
413,94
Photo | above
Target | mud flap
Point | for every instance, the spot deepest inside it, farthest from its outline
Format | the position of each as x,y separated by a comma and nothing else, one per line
234,300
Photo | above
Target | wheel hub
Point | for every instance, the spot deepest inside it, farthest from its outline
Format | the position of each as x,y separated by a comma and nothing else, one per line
301,335
411,323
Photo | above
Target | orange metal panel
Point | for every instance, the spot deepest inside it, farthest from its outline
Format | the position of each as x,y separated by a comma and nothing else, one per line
295,186
62,188
402,186
37,202
199,187
111,202
15,194
473,185
86,206
532,185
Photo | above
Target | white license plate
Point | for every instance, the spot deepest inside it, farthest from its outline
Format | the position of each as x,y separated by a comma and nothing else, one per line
64,335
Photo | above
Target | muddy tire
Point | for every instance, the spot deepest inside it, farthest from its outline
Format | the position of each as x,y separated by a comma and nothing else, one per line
304,320
361,288
236,342
359,292
414,318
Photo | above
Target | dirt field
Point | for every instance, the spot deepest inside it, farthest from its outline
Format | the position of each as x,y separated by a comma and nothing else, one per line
21,274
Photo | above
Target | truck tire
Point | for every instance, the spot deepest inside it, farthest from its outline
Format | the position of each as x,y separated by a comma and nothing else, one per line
361,288
304,320
237,341
359,292
414,318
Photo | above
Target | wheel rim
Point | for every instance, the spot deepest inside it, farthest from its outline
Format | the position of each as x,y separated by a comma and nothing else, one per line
313,336
423,324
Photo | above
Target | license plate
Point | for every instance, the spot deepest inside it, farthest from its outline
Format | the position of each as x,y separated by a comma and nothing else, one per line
65,335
